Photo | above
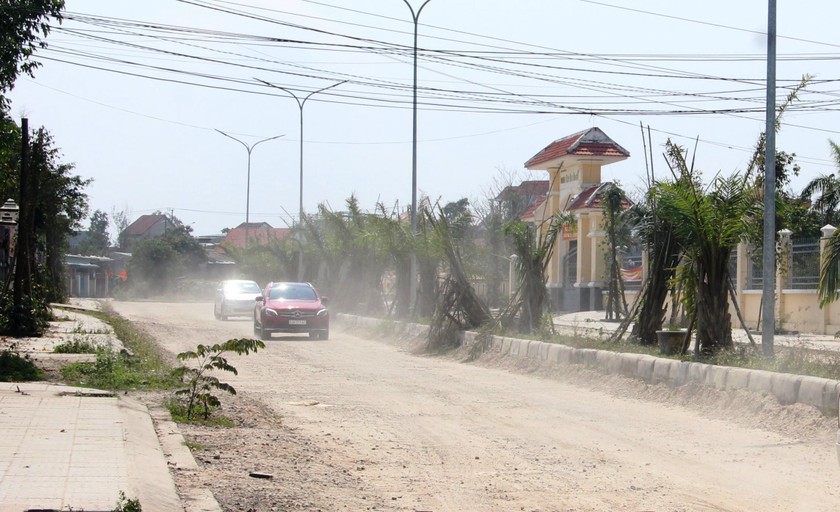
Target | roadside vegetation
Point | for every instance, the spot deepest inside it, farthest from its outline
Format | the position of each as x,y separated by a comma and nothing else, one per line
140,366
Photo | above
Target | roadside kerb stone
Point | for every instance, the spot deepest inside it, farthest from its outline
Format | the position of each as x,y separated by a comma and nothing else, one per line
534,349
516,346
813,391
785,387
565,354
628,364
506,343
680,373
716,376
761,382
662,371
608,361
738,378
644,368
590,357
830,396
544,350
496,343
697,374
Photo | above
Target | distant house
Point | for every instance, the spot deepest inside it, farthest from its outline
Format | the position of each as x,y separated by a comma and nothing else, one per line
145,227
519,200
260,233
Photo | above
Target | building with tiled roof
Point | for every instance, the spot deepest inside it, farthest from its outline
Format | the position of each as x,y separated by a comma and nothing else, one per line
573,163
260,233
146,226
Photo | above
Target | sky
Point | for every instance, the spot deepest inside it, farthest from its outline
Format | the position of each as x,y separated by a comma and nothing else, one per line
135,94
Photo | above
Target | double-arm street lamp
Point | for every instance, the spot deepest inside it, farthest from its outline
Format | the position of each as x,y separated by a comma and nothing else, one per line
415,16
301,103
248,186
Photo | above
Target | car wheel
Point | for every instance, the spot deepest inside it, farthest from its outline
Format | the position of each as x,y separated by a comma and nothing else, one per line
314,335
222,312
325,334
256,329
264,334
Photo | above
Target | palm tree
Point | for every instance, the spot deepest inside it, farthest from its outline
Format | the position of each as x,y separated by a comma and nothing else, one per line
827,191
708,224
533,251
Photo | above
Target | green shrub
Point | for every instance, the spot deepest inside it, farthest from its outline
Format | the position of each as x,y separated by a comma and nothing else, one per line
17,368
75,347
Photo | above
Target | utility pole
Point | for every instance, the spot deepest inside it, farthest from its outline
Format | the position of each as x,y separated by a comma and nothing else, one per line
22,321
248,184
768,287
415,16
301,103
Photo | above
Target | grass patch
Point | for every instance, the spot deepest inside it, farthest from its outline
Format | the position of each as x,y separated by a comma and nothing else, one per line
178,411
141,366
75,347
17,368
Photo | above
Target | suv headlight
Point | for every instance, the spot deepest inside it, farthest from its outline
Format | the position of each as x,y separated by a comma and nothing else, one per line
270,312
324,312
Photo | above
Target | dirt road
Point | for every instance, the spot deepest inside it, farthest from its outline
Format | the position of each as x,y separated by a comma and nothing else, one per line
367,425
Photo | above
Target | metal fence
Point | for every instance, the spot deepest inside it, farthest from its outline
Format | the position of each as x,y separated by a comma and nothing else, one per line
801,273
804,270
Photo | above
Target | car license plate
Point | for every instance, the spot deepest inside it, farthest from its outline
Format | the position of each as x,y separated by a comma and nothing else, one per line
297,322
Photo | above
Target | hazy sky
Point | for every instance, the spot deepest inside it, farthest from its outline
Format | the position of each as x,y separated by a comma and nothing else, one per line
133,92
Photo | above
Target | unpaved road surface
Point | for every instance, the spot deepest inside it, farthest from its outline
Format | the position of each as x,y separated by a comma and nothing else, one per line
355,423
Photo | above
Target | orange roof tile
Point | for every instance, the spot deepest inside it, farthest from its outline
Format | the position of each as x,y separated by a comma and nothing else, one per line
591,142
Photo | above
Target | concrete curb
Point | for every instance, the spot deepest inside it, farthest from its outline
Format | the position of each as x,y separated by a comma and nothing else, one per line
180,459
786,388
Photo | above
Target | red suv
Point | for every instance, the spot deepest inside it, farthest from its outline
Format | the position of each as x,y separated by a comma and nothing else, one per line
291,308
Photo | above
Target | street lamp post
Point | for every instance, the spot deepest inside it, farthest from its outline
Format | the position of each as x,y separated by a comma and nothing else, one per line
301,103
248,186
415,16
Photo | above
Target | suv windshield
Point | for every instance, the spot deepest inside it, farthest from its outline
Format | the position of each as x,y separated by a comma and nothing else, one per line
242,287
292,292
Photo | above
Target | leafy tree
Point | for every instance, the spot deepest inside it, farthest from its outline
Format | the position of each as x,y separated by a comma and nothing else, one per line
97,241
61,205
23,25
121,223
156,263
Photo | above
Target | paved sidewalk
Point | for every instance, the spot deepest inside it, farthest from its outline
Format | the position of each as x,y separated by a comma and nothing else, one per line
69,448
592,323
66,448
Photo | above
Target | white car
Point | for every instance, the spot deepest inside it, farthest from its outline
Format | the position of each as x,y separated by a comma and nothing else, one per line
235,297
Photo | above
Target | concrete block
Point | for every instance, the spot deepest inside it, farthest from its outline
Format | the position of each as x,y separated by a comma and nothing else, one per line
564,354
496,343
629,363
590,357
760,382
534,350
738,378
553,353
716,376
577,356
680,373
608,362
831,392
661,371
785,387
812,391
697,374
506,342
544,350
514,347
644,368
